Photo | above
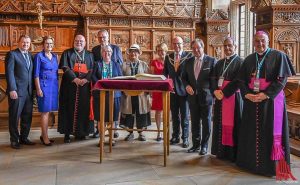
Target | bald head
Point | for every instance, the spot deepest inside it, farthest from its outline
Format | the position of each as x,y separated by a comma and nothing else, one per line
177,44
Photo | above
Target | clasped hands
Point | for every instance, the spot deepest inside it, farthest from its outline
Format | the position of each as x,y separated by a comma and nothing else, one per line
219,94
256,97
189,90
80,82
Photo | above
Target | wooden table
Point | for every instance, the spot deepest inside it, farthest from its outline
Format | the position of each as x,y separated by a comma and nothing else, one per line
133,86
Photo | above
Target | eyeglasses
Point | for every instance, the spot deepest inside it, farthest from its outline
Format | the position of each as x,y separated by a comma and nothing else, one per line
80,41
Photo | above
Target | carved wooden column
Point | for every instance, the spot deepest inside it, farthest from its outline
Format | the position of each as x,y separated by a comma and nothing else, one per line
281,19
215,30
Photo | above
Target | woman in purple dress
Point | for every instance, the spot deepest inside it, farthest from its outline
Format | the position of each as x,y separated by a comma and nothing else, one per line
46,83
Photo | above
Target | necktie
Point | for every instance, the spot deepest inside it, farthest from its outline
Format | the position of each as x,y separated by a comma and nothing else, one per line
177,62
197,67
27,60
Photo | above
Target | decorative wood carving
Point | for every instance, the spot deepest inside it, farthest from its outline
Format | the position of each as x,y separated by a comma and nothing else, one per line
283,28
146,22
287,17
143,39
162,37
216,30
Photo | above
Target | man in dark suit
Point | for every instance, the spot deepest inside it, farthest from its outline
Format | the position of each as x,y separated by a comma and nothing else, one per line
103,38
197,78
19,79
173,68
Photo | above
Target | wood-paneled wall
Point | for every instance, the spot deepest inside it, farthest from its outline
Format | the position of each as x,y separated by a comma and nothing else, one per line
145,22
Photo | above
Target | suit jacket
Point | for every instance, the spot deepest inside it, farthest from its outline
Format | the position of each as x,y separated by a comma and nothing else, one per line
169,71
202,86
116,55
19,77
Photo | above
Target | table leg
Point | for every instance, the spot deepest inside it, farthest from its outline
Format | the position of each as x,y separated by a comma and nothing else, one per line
101,123
168,122
111,118
165,126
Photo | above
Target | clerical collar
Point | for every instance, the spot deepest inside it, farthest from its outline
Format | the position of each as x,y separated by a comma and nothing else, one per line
228,57
263,53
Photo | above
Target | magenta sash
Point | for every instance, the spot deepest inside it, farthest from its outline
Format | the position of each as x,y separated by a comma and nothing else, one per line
277,150
228,107
283,170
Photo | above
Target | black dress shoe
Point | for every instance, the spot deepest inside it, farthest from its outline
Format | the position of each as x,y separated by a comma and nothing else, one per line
15,145
174,140
26,142
193,149
80,138
203,151
67,139
185,143
43,142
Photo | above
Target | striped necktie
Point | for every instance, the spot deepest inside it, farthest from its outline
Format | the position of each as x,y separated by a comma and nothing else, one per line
27,60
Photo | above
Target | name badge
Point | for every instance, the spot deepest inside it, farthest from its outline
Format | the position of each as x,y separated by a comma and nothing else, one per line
220,81
256,85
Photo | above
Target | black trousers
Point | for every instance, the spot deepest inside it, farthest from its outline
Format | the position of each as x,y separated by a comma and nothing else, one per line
179,111
200,116
20,109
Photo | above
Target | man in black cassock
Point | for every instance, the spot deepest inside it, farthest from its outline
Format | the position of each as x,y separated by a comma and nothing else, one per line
228,103
263,145
75,91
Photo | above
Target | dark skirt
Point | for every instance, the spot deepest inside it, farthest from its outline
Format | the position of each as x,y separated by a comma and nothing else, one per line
142,120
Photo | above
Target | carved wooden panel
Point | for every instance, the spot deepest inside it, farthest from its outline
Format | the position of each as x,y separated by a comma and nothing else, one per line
187,39
145,22
93,38
146,57
4,35
16,32
163,23
216,30
143,39
282,25
162,37
99,21
287,40
121,38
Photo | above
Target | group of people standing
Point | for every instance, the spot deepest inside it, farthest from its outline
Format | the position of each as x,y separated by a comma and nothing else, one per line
246,96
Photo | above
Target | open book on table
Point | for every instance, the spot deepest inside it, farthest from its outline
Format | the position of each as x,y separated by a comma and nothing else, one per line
141,76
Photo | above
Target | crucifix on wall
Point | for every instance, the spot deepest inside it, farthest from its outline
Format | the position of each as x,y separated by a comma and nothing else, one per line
40,14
